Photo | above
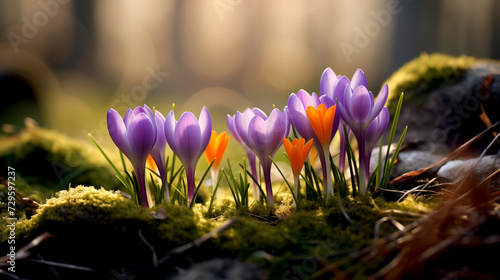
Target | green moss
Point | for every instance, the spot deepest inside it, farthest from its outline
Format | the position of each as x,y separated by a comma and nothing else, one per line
79,207
417,204
424,74
180,226
221,208
46,162
86,219
249,236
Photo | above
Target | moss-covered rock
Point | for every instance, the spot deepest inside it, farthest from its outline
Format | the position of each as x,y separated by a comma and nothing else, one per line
46,162
78,208
424,74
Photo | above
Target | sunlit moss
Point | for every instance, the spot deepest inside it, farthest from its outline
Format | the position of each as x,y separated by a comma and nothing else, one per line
80,206
411,203
46,161
220,208
424,74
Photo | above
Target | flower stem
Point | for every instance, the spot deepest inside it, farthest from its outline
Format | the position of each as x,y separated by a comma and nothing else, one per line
141,174
266,167
190,181
362,165
327,179
325,168
253,167
167,190
296,186
215,175
164,181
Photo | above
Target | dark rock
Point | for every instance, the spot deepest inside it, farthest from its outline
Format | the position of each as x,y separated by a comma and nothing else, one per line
457,169
221,269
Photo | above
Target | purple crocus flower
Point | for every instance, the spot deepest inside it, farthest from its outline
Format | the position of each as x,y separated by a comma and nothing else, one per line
189,138
135,136
358,110
333,87
249,113
264,136
158,152
375,130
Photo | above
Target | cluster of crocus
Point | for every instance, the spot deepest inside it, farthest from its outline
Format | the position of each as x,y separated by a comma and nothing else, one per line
263,136
317,118
366,119
343,104
141,133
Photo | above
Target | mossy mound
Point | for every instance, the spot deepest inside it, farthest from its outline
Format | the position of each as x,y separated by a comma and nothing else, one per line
124,236
46,162
424,74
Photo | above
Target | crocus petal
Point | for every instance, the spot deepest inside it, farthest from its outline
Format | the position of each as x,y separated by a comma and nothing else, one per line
259,142
129,116
264,136
327,81
160,123
278,127
303,96
380,102
216,148
360,105
378,126
210,151
158,151
313,101
328,122
359,79
117,130
297,152
221,146
188,136
327,101
297,116
287,125
295,157
141,138
287,145
339,89
232,129
170,124
241,123
315,119
148,111
205,124
306,149
259,112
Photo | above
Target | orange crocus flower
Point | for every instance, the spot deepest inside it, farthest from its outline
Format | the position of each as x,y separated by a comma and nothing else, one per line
321,121
297,152
152,164
216,148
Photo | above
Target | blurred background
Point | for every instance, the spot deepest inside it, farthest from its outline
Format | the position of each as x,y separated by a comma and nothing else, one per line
65,62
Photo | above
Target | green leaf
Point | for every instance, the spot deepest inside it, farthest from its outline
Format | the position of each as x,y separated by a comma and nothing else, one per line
286,181
199,185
